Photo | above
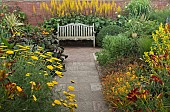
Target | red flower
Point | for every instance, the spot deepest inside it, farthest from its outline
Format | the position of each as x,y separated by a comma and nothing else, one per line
157,79
132,96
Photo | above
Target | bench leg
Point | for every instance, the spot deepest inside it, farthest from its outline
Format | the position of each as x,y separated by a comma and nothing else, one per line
93,42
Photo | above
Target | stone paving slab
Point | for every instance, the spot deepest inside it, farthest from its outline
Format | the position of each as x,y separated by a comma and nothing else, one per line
81,67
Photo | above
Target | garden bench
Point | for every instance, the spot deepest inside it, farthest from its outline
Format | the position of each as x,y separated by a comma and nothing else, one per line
76,31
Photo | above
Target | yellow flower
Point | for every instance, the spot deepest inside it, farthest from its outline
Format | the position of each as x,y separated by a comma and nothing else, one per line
30,63
54,82
9,52
37,52
50,67
75,105
34,98
19,89
57,102
66,93
48,53
28,74
34,57
50,60
40,48
58,72
71,88
33,83
53,104
50,84
72,95
65,104
56,59
43,56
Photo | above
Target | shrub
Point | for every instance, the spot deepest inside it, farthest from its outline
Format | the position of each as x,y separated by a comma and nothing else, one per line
117,46
144,45
160,15
108,30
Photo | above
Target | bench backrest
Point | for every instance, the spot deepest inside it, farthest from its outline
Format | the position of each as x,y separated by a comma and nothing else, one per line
76,29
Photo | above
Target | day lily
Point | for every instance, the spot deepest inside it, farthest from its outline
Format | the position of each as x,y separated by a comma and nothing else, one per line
34,98
19,89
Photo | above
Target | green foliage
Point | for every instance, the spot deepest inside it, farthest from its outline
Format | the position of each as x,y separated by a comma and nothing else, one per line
99,22
160,15
141,27
116,47
137,8
144,44
108,30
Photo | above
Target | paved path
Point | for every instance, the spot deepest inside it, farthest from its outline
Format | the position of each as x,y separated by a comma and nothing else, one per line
81,68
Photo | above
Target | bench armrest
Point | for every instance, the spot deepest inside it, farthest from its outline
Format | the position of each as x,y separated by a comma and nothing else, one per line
57,33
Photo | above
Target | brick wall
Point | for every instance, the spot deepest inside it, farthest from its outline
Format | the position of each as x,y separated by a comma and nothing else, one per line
27,7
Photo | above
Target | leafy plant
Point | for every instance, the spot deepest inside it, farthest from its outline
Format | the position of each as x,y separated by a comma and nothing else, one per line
99,22
143,87
160,15
13,24
117,46
108,30
137,8
140,27
144,44
31,90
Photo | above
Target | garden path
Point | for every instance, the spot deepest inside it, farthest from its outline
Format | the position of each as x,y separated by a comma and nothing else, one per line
81,67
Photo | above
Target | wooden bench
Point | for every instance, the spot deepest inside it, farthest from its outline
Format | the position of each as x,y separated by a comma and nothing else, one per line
76,31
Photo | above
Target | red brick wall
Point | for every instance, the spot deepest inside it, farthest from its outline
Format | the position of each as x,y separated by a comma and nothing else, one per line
27,7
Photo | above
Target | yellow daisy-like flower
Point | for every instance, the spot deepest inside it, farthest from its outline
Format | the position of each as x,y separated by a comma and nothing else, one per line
70,88
43,56
65,104
40,48
34,98
19,89
48,53
56,59
27,74
34,57
66,93
75,105
37,52
50,60
72,95
50,84
58,72
9,52
57,102
54,82
53,104
50,67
